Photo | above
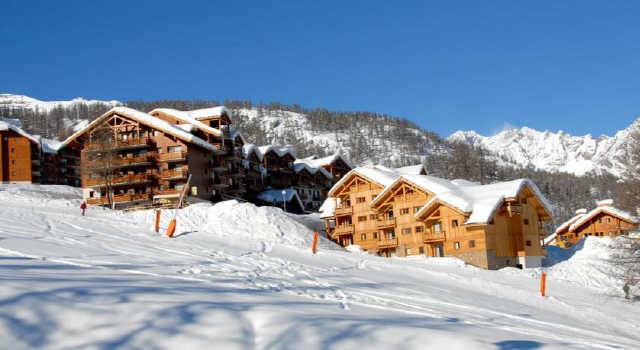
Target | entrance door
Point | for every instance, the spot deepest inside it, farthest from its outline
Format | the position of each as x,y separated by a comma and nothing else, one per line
438,250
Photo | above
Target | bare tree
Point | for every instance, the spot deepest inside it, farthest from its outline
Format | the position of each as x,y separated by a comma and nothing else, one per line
102,159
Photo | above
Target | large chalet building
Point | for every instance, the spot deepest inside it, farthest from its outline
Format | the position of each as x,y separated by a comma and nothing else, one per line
127,159
401,212
604,220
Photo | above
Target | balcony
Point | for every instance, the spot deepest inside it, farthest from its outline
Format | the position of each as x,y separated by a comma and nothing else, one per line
386,242
343,230
174,174
387,222
120,145
118,180
344,210
120,198
434,236
172,156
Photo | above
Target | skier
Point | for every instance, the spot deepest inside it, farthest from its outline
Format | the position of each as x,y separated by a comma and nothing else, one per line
83,206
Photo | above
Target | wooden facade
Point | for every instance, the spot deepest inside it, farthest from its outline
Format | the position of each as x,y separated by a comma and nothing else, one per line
393,220
20,156
605,220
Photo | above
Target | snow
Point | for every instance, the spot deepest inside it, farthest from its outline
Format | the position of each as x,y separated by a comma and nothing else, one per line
556,151
197,114
280,151
149,120
324,161
582,219
240,276
376,173
26,102
328,208
188,118
565,225
410,170
5,126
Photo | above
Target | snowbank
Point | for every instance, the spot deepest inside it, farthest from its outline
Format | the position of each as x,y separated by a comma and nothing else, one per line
590,263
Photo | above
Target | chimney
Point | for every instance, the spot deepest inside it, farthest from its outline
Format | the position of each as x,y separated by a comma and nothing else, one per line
605,203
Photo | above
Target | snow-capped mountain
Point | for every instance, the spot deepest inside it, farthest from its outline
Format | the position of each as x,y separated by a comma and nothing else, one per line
18,102
555,151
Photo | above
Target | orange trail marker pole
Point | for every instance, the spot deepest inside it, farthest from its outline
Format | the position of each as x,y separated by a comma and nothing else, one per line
158,220
543,283
172,224
314,244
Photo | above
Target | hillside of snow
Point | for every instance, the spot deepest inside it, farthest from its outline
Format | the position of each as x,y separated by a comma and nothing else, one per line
559,151
237,277
12,101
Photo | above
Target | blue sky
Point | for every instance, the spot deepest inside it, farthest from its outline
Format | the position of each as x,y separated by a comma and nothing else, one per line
569,65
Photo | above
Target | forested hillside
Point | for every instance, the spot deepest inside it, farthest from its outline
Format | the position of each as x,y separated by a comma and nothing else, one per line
363,137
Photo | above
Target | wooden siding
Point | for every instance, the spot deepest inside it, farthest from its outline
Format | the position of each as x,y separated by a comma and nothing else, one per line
15,157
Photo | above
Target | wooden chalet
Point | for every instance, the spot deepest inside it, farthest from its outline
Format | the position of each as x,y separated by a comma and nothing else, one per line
604,220
388,213
129,157
214,126
20,155
335,165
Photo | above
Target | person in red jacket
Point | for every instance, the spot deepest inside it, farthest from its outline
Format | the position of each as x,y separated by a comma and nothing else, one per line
83,206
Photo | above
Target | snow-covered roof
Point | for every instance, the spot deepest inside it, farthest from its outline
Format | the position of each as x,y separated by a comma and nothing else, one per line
565,225
325,161
279,150
236,133
196,114
4,126
251,148
480,201
623,215
549,239
381,175
276,196
299,166
50,146
328,208
148,120
188,118
417,169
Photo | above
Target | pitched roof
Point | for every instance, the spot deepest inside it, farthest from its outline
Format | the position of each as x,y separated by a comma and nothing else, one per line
197,114
148,120
417,169
4,126
565,225
325,161
481,201
279,150
299,166
381,175
186,117
603,209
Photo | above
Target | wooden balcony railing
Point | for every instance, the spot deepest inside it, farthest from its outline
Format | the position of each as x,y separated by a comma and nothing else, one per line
174,174
118,144
169,192
172,156
344,210
386,222
344,229
120,198
118,180
118,162
434,236
386,242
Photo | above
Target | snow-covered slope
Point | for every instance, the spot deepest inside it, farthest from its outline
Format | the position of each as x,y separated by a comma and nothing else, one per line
237,276
25,102
555,151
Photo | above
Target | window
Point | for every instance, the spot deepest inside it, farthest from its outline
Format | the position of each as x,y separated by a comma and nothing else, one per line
361,199
13,150
375,235
172,149
524,201
456,245
421,250
372,216
406,231
525,221
404,211
419,229
600,220
528,243
472,243
437,227
363,237
608,219
362,218
454,223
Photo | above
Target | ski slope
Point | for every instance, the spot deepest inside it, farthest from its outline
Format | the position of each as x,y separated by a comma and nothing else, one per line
241,277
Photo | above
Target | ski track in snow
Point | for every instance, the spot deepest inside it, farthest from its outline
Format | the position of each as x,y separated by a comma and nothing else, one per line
488,301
